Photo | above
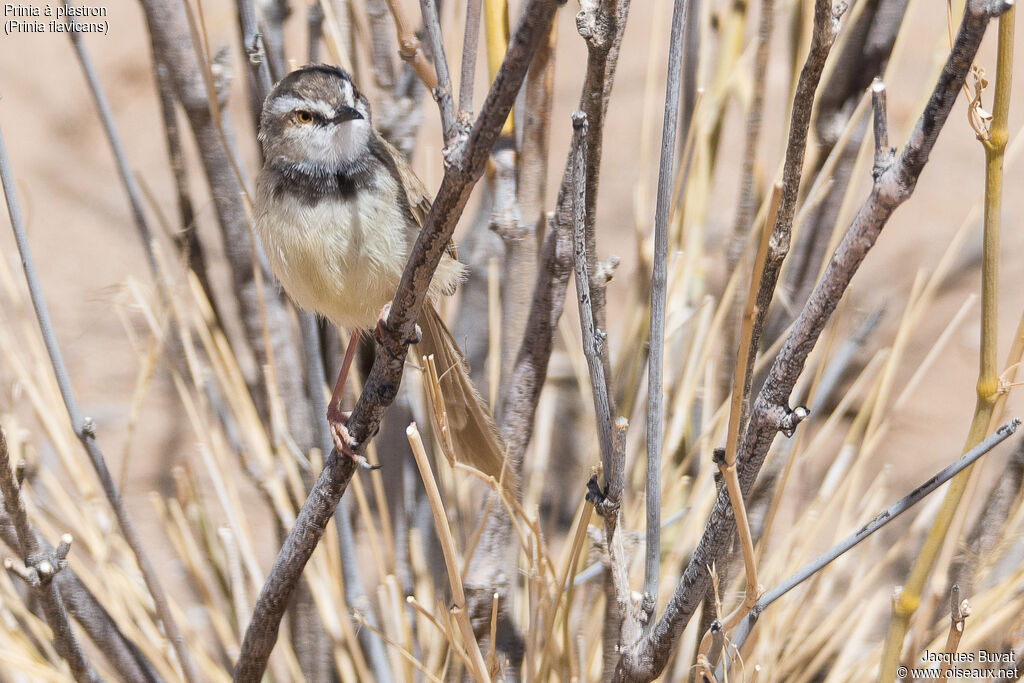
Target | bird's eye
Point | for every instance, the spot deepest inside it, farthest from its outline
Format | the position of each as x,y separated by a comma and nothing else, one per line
304,116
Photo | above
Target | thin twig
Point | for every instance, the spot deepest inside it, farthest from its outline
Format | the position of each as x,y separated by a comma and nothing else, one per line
466,164
409,46
659,280
879,521
84,427
958,613
443,90
40,566
107,119
470,43
594,347
770,412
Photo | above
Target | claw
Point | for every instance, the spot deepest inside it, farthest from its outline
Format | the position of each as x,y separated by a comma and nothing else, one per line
343,441
382,327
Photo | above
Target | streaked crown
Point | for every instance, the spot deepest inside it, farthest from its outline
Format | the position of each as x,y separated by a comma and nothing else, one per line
315,121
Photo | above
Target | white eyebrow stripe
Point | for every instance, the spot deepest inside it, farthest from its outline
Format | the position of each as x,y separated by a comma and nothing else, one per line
288,103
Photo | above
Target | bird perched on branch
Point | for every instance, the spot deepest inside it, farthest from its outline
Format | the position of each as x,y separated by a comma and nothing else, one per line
338,210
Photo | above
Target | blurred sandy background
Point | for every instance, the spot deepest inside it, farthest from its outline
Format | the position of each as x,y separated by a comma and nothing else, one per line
86,246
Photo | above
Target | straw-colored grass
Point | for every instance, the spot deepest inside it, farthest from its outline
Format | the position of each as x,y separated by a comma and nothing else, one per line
242,477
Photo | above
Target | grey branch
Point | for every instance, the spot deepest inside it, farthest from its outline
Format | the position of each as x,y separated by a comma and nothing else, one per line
173,46
84,427
594,347
880,520
443,91
40,566
893,187
466,166
471,40
255,55
123,169
659,279
123,654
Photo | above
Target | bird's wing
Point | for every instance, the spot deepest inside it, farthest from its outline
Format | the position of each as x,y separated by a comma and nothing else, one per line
416,194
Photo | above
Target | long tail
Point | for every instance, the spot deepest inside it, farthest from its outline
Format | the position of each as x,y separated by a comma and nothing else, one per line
473,431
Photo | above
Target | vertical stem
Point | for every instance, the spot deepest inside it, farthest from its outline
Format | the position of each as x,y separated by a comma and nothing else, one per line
909,599
83,427
659,277
470,41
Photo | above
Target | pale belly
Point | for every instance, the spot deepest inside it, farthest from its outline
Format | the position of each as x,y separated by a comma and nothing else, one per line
340,258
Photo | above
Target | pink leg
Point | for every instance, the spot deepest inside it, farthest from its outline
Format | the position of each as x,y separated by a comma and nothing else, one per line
335,417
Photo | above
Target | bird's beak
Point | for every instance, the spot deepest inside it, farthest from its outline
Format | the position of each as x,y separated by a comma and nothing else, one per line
346,114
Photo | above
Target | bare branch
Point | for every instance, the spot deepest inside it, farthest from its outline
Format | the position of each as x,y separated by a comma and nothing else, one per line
84,427
594,347
381,386
123,655
659,279
315,24
880,520
870,37
470,43
41,566
770,413
958,613
443,91
409,46
883,153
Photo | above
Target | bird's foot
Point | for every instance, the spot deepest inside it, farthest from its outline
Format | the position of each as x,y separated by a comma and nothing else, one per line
383,333
343,441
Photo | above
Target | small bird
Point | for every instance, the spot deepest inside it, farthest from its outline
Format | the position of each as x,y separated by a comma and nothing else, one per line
338,210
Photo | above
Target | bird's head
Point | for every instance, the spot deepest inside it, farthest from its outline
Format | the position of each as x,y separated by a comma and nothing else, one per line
317,121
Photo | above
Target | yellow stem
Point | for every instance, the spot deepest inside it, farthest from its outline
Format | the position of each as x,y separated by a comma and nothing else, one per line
988,381
496,33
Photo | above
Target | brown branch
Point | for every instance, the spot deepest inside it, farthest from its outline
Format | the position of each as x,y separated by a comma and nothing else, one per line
958,613
826,25
517,404
466,165
601,23
409,47
624,617
865,53
770,412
